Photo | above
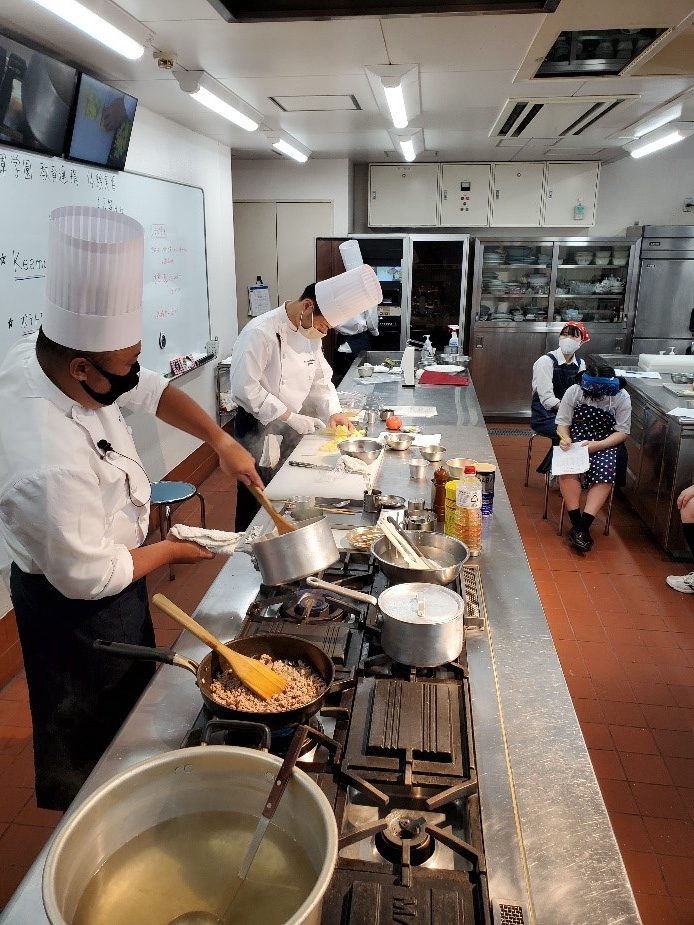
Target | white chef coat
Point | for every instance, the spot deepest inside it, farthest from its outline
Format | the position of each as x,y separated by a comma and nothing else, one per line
543,368
66,512
364,321
275,369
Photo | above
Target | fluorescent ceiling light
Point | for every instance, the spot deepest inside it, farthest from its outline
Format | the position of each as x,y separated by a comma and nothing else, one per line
77,15
215,96
651,146
408,151
658,121
396,101
285,148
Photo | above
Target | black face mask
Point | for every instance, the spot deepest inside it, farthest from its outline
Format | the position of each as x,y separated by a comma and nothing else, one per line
119,384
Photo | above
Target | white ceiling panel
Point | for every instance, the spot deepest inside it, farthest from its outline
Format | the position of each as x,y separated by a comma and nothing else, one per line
469,67
228,50
461,43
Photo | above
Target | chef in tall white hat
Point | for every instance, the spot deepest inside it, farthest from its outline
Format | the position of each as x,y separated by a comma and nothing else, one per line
74,497
280,378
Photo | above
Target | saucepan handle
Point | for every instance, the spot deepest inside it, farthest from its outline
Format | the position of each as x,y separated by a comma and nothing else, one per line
144,653
343,592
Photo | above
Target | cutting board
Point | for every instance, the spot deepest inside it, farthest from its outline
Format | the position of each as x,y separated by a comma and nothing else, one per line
292,480
667,363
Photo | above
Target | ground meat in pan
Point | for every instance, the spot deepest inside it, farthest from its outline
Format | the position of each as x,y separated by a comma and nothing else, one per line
303,687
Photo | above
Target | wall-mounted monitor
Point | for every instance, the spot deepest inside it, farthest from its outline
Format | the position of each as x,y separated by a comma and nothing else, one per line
390,274
36,96
102,124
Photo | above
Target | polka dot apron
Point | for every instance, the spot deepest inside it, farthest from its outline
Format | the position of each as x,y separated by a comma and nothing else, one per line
592,423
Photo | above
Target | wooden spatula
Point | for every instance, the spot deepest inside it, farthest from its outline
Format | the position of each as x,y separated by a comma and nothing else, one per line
282,524
257,677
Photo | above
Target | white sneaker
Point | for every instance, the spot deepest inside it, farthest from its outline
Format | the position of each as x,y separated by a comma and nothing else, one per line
683,583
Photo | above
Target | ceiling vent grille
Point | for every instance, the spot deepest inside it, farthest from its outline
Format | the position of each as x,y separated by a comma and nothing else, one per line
562,117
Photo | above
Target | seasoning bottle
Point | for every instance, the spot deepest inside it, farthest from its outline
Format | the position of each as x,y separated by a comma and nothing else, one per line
438,500
449,522
468,513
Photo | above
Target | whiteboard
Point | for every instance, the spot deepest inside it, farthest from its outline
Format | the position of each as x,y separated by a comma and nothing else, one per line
176,318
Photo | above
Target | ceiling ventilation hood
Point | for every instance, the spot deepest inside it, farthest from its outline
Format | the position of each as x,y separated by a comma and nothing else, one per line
596,52
561,117
284,10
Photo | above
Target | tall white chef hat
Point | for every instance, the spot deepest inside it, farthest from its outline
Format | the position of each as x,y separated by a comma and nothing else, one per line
94,280
346,295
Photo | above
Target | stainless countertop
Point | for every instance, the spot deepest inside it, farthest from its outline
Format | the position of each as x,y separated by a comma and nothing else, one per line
651,390
548,840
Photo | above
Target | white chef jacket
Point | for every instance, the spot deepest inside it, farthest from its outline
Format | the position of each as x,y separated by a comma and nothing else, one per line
364,321
65,511
275,369
543,369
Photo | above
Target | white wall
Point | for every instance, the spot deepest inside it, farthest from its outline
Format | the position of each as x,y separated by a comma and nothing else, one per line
162,148
276,180
647,191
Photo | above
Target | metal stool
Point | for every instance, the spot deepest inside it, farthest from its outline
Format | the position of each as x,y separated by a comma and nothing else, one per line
530,453
606,531
164,495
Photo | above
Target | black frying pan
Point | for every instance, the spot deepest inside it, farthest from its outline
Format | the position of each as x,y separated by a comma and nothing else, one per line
290,648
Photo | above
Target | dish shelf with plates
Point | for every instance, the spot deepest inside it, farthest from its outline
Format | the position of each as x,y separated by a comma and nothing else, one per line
523,291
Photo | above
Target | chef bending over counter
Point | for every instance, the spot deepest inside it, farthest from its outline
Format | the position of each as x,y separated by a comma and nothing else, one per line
280,379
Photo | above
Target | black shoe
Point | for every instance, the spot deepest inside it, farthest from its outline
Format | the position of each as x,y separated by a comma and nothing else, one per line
581,539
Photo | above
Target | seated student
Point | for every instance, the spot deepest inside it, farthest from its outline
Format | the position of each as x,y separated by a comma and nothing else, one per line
553,373
597,413
685,502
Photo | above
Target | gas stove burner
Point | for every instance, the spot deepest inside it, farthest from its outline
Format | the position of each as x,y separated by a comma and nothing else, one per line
310,606
406,834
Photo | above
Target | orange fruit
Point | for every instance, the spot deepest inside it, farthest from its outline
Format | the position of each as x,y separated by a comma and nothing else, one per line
394,422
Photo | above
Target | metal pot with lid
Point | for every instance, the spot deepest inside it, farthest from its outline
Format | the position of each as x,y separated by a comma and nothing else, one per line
423,624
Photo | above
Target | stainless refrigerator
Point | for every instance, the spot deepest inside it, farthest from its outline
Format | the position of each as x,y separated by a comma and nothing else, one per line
665,299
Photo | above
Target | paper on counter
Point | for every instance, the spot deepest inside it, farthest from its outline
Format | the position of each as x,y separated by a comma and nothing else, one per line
570,462
443,368
416,411
682,412
629,374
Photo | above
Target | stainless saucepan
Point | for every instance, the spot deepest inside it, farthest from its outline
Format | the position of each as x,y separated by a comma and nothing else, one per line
423,623
307,550
446,550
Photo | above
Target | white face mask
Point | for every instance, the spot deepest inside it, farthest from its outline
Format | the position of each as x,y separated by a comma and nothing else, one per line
311,333
569,345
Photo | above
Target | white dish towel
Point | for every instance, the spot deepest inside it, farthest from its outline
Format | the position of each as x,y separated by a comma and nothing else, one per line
217,541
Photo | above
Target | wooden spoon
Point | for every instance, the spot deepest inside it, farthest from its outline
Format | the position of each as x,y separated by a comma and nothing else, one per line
282,524
257,677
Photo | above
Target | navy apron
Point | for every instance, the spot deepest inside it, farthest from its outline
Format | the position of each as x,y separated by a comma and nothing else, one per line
79,698
563,376
542,421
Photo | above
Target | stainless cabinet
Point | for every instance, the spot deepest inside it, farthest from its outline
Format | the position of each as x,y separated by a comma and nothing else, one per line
538,285
501,363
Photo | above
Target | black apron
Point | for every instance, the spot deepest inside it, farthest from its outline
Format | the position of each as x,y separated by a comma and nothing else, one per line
79,698
358,343
251,434
542,421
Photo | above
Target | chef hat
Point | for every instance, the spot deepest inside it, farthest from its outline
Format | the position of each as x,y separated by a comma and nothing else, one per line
94,282
351,254
342,297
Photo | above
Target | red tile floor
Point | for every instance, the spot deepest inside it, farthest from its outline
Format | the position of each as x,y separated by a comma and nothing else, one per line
626,644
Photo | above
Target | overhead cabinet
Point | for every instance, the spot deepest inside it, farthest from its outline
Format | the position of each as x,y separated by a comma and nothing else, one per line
517,195
503,195
571,192
402,195
465,192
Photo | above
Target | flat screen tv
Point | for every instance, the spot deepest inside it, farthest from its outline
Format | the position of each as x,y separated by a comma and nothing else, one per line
388,274
102,124
36,96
